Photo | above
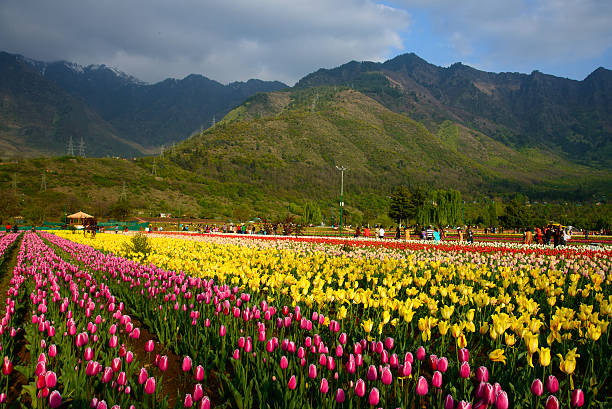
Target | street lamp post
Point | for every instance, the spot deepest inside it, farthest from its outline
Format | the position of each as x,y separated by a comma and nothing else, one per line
341,169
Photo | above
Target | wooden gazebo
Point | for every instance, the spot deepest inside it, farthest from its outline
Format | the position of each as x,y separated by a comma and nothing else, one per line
81,219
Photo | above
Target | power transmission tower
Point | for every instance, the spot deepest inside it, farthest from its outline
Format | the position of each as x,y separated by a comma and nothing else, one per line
123,195
314,102
154,168
70,147
213,122
43,183
162,151
82,148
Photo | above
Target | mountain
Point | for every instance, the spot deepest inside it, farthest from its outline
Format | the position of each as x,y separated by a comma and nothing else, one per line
572,118
145,116
289,143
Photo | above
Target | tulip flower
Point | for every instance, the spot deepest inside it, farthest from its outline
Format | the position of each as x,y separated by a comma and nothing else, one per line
537,388
360,388
205,403
222,331
422,387
544,356
163,363
464,370
284,363
464,355
108,375
55,399
149,346
482,374
449,403
501,401
312,371
142,376
292,382
50,379
186,366
199,373
374,397
198,392
464,405
324,387
421,353
443,364
577,398
552,402
436,379
188,402
150,386
7,366
372,374
552,384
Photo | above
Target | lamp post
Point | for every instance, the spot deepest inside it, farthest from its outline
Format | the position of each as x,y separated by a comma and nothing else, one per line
463,212
341,169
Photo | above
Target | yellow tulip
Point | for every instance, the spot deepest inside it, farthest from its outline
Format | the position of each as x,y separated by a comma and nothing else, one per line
544,356
367,325
510,339
568,365
498,356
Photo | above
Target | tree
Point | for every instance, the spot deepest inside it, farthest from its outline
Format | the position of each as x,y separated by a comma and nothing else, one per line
516,215
312,213
120,209
399,208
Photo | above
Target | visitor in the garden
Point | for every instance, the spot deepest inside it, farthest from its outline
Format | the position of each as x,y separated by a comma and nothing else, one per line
470,235
398,234
357,232
381,233
436,235
460,233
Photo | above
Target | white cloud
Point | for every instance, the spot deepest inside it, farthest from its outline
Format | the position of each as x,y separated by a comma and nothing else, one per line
224,40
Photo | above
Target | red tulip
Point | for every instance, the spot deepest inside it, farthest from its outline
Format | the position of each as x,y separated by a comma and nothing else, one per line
222,331
421,353
443,364
464,355
464,405
50,379
142,376
372,374
552,402
150,386
188,402
577,398
108,375
205,403
116,364
7,366
149,346
312,371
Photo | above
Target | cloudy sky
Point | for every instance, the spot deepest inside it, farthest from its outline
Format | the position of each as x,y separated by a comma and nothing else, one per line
230,40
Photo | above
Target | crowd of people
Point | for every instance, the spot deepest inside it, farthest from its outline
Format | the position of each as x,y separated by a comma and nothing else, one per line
551,234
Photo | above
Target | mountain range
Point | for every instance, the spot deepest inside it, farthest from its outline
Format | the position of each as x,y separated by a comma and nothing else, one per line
262,147
43,105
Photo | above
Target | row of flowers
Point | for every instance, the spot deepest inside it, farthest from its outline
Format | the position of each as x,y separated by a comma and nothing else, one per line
531,311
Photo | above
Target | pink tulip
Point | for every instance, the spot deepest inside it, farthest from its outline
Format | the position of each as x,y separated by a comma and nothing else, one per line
108,375
129,357
552,384
150,386
284,363
343,338
577,398
7,366
113,341
163,363
52,350
199,373
55,399
205,403
292,382
421,353
360,388
433,362
436,379
537,388
443,364
188,402
142,376
464,355
324,387
312,371
350,366
374,397
236,354
464,370
50,379
501,401
372,374
198,392
552,402
186,364
386,376
101,405
222,331
464,405
116,364
121,379
149,346
422,387
482,374
448,402
340,395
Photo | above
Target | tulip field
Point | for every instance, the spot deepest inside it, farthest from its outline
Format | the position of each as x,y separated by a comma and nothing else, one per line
261,322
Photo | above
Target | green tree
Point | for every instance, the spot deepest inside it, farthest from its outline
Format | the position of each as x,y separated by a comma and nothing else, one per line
120,209
400,204
312,213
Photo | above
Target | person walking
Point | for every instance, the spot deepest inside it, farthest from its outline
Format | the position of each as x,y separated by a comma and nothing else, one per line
397,233
381,233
